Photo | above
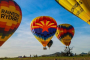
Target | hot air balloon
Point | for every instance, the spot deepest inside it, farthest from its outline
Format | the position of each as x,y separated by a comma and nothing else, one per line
80,8
65,33
10,19
50,43
43,28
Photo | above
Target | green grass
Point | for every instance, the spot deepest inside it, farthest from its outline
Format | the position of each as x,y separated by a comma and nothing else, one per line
49,58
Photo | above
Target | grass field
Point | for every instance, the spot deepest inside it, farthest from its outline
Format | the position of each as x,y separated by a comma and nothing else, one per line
49,58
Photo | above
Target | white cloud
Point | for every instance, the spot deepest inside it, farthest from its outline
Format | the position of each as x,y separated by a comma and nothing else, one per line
22,42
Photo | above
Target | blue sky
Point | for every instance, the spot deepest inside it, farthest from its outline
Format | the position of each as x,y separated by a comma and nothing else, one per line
22,42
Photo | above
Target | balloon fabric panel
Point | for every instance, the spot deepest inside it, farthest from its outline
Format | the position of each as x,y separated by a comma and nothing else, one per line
10,19
66,43
65,30
43,28
80,8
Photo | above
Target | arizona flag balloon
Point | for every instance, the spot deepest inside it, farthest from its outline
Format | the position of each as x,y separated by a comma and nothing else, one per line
43,28
10,19
65,33
80,8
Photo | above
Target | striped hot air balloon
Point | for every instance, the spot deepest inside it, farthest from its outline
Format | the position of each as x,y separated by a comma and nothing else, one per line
10,19
65,33
43,28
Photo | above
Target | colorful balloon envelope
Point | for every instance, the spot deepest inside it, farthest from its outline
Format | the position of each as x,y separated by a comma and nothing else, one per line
80,8
50,43
65,33
43,28
10,19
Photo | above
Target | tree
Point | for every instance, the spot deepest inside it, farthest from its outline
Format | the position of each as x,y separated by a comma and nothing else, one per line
68,51
89,53
30,55
24,56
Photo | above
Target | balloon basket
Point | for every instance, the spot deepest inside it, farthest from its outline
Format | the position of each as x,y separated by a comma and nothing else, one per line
44,48
66,47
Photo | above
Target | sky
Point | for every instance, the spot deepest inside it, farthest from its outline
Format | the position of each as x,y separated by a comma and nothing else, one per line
23,42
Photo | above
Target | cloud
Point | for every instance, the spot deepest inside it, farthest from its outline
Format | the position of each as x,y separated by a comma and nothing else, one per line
22,42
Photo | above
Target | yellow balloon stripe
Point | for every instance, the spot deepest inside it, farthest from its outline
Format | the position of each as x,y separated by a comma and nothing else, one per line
66,43
66,25
66,38
42,22
50,24
38,24
35,26
47,22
